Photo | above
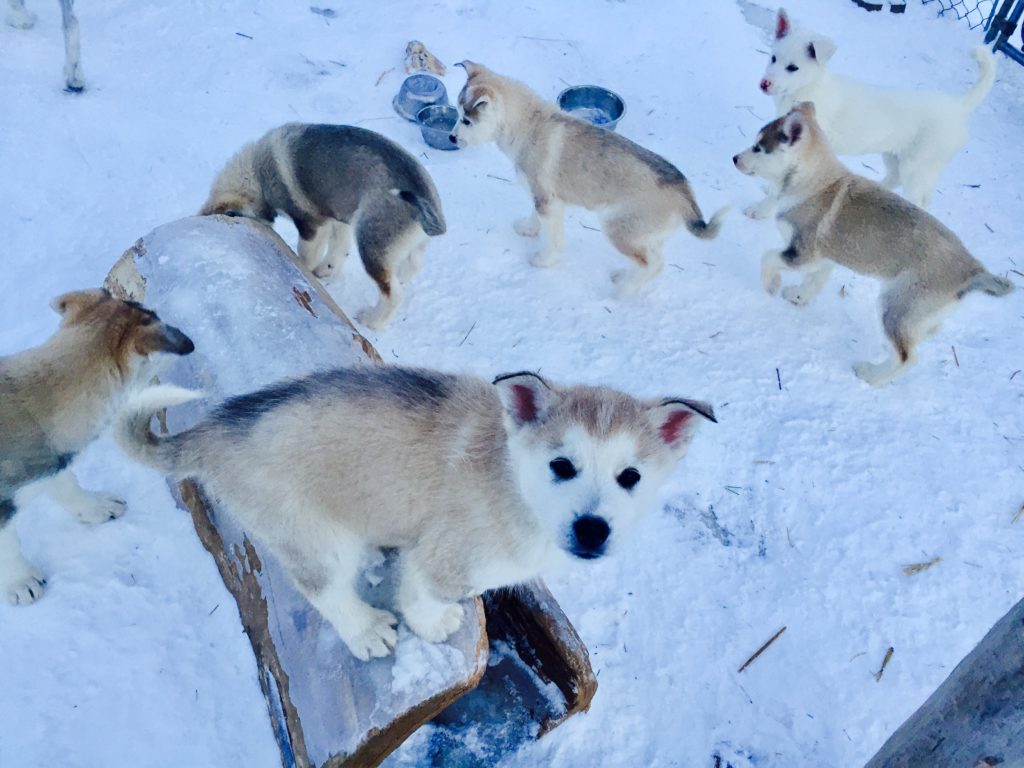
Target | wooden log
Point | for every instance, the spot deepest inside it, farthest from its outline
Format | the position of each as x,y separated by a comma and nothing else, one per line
256,317
975,719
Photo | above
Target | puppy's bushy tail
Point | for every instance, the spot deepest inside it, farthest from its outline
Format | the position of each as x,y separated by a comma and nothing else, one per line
708,230
986,77
988,283
431,217
138,440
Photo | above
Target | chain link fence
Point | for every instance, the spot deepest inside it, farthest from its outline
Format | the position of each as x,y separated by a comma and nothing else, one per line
976,12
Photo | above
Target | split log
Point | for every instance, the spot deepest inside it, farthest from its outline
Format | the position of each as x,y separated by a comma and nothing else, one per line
257,316
975,719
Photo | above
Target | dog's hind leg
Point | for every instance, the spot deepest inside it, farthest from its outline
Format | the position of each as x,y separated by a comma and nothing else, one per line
410,266
87,506
903,318
551,215
426,614
331,588
20,581
20,17
527,226
73,81
892,171
380,252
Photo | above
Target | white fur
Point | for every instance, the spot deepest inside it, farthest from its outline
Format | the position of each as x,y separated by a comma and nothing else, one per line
917,132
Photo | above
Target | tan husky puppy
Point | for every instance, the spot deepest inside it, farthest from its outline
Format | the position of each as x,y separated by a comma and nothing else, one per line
829,216
562,160
55,400
478,485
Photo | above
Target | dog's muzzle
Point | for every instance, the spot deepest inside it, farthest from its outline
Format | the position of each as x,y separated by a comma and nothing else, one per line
766,85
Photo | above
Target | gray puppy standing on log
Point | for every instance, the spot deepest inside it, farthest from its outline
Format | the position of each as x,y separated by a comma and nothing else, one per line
561,160
478,485
830,216
331,180
55,400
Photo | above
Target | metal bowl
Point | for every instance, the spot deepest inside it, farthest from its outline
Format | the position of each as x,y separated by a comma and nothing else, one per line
417,92
592,103
436,124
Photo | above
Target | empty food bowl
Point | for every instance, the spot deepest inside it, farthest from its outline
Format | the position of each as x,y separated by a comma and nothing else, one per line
594,104
417,92
436,124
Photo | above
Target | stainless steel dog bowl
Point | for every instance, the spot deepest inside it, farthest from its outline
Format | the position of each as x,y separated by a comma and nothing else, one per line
594,104
417,92
436,124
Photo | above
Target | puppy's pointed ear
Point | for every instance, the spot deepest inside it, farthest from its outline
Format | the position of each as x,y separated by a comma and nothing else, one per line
793,126
472,68
526,397
677,419
474,98
782,24
71,305
821,49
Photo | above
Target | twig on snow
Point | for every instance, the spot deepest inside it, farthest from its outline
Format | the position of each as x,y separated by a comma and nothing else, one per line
885,663
955,358
1019,515
760,650
383,74
915,568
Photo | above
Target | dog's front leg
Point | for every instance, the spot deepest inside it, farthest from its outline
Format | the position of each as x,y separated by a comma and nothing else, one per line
816,274
87,506
551,214
20,17
339,242
21,581
427,615
311,244
771,271
764,208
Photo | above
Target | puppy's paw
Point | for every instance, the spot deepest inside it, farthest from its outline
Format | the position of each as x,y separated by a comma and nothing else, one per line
26,587
436,627
872,373
372,318
376,638
792,294
758,211
528,226
21,19
544,259
101,509
324,271
771,281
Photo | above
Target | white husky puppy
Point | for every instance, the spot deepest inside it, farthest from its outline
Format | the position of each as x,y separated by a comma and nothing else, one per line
917,133
477,485
55,400
331,180
562,160
830,216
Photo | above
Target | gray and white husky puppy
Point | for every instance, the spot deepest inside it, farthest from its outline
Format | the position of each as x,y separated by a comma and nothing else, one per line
55,400
478,485
330,180
829,216
562,160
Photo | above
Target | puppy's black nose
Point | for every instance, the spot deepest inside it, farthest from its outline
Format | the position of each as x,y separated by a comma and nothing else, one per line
591,533
452,138
735,159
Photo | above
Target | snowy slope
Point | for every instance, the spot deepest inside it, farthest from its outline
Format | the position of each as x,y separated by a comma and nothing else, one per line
798,509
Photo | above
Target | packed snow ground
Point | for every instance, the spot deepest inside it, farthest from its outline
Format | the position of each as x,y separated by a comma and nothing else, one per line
799,509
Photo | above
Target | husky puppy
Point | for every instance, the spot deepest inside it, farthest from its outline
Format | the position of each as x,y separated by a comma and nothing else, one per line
21,18
562,160
829,216
917,133
478,485
331,180
55,400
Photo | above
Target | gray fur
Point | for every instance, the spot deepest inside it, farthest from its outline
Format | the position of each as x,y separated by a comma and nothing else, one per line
451,470
331,180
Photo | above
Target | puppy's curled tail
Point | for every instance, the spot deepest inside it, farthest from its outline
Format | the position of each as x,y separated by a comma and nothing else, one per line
986,77
988,283
708,230
138,441
430,215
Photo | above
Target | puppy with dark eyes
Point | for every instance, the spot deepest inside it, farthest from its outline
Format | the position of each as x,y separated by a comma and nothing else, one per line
56,399
829,216
477,485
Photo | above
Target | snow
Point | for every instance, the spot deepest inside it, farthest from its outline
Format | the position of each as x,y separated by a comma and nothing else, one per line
821,490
